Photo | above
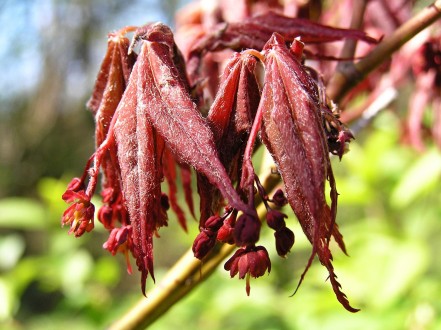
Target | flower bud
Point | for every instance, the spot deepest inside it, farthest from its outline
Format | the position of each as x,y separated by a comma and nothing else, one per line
75,184
120,240
246,230
164,202
284,241
203,243
274,219
105,216
214,223
225,233
279,198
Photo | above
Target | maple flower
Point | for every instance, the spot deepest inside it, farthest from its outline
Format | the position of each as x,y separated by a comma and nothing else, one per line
252,261
120,240
275,219
225,233
80,214
246,230
284,240
206,239
279,198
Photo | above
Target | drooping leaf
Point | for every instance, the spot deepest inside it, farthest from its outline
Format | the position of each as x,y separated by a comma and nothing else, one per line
109,87
110,84
139,150
254,32
174,115
293,132
230,118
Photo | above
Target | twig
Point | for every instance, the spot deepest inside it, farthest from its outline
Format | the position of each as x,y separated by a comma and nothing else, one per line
380,103
350,45
185,275
350,75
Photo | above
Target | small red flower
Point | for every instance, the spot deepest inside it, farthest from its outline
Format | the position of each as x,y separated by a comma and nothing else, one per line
279,198
120,240
226,232
275,219
206,239
250,261
204,243
80,214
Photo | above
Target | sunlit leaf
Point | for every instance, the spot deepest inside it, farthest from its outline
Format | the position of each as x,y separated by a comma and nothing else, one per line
423,175
22,213
11,249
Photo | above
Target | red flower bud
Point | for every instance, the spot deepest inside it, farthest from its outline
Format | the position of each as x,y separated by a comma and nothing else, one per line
105,216
246,230
279,198
225,233
203,243
213,223
274,219
165,204
284,241
75,184
120,240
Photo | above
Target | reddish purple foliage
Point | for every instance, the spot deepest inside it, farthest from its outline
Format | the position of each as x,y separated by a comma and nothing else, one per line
149,123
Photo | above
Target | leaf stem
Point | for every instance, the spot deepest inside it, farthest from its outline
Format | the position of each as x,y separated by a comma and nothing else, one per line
348,51
352,73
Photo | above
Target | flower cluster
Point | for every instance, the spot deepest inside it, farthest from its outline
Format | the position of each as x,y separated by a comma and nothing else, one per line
149,107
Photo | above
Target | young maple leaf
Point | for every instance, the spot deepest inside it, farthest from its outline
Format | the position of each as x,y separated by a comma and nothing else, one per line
230,117
293,132
165,100
139,152
109,88
254,32
156,111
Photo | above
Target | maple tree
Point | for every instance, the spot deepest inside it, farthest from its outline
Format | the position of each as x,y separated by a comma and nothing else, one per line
159,106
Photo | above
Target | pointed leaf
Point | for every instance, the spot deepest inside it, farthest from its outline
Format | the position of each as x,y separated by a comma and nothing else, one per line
293,132
175,117
139,150
230,117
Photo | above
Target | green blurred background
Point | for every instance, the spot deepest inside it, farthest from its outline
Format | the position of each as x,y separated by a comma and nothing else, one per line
389,205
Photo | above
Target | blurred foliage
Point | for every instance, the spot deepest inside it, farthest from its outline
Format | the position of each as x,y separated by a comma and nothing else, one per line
49,58
389,212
